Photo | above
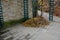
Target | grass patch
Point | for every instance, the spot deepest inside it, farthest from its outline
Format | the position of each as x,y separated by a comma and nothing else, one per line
13,22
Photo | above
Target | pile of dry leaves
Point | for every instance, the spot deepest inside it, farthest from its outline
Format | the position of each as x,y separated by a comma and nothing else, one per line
36,22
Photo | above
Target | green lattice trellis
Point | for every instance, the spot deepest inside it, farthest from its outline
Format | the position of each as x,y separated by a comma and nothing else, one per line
34,7
25,8
1,15
51,9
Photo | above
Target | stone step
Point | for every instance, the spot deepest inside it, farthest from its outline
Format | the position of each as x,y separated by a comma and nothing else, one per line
4,31
22,37
6,34
8,38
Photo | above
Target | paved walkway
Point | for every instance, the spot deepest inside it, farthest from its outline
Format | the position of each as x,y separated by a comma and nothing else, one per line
50,32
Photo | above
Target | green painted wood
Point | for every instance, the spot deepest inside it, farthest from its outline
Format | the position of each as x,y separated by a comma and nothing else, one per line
34,8
51,9
1,15
25,8
41,8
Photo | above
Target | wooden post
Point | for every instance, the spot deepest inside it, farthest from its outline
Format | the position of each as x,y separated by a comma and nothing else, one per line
25,8
1,15
34,8
41,7
51,9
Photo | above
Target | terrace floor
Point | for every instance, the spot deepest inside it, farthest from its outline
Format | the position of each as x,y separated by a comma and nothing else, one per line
50,32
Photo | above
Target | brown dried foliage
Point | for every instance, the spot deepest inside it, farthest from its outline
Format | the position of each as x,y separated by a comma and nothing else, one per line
36,22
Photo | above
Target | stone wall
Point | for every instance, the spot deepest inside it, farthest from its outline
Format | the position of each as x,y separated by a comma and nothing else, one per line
13,9
30,8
